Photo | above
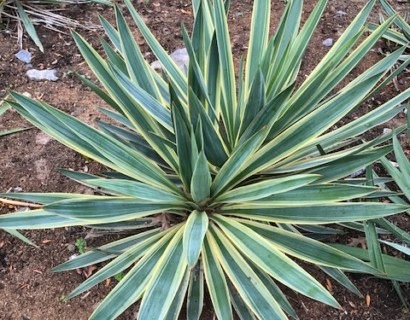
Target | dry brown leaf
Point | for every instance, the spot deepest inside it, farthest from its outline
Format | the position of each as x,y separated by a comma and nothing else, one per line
107,282
367,300
329,285
355,242
352,304
88,271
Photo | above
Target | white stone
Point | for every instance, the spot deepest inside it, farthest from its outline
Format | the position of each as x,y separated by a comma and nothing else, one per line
50,75
180,57
328,42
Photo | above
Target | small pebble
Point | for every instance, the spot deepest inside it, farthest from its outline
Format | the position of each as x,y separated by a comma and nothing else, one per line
328,42
24,56
387,130
180,57
340,14
71,247
50,75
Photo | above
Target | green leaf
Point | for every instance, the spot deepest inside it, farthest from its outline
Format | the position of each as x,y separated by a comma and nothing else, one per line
165,281
213,143
36,219
314,214
141,120
176,306
308,128
274,290
111,32
141,96
136,65
83,138
182,128
264,189
201,180
307,249
258,39
168,64
227,68
256,101
394,267
42,198
29,25
236,162
106,252
241,308
194,234
3,107
402,248
271,260
106,209
247,283
133,285
195,297
320,193
20,236
137,190
11,131
340,277
215,280
124,260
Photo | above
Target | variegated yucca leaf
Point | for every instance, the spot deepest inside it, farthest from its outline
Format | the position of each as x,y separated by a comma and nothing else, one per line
399,33
229,176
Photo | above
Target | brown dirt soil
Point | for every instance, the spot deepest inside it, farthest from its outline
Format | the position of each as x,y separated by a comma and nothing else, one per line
30,159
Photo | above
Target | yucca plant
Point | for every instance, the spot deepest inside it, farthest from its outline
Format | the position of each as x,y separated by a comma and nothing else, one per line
226,179
399,33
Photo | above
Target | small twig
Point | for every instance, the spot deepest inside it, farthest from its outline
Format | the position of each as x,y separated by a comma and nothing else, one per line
20,203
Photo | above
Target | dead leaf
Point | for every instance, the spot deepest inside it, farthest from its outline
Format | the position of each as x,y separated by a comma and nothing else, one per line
164,219
107,282
352,304
329,285
88,271
46,241
355,242
367,300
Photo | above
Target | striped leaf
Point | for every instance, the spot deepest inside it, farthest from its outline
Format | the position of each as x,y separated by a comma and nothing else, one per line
132,286
194,234
106,209
195,296
201,180
264,189
314,214
307,249
165,280
273,261
216,281
247,283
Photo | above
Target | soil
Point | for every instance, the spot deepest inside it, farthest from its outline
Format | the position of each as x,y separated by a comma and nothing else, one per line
30,160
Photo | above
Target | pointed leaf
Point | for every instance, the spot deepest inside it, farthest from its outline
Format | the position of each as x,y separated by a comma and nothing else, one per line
201,180
194,234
